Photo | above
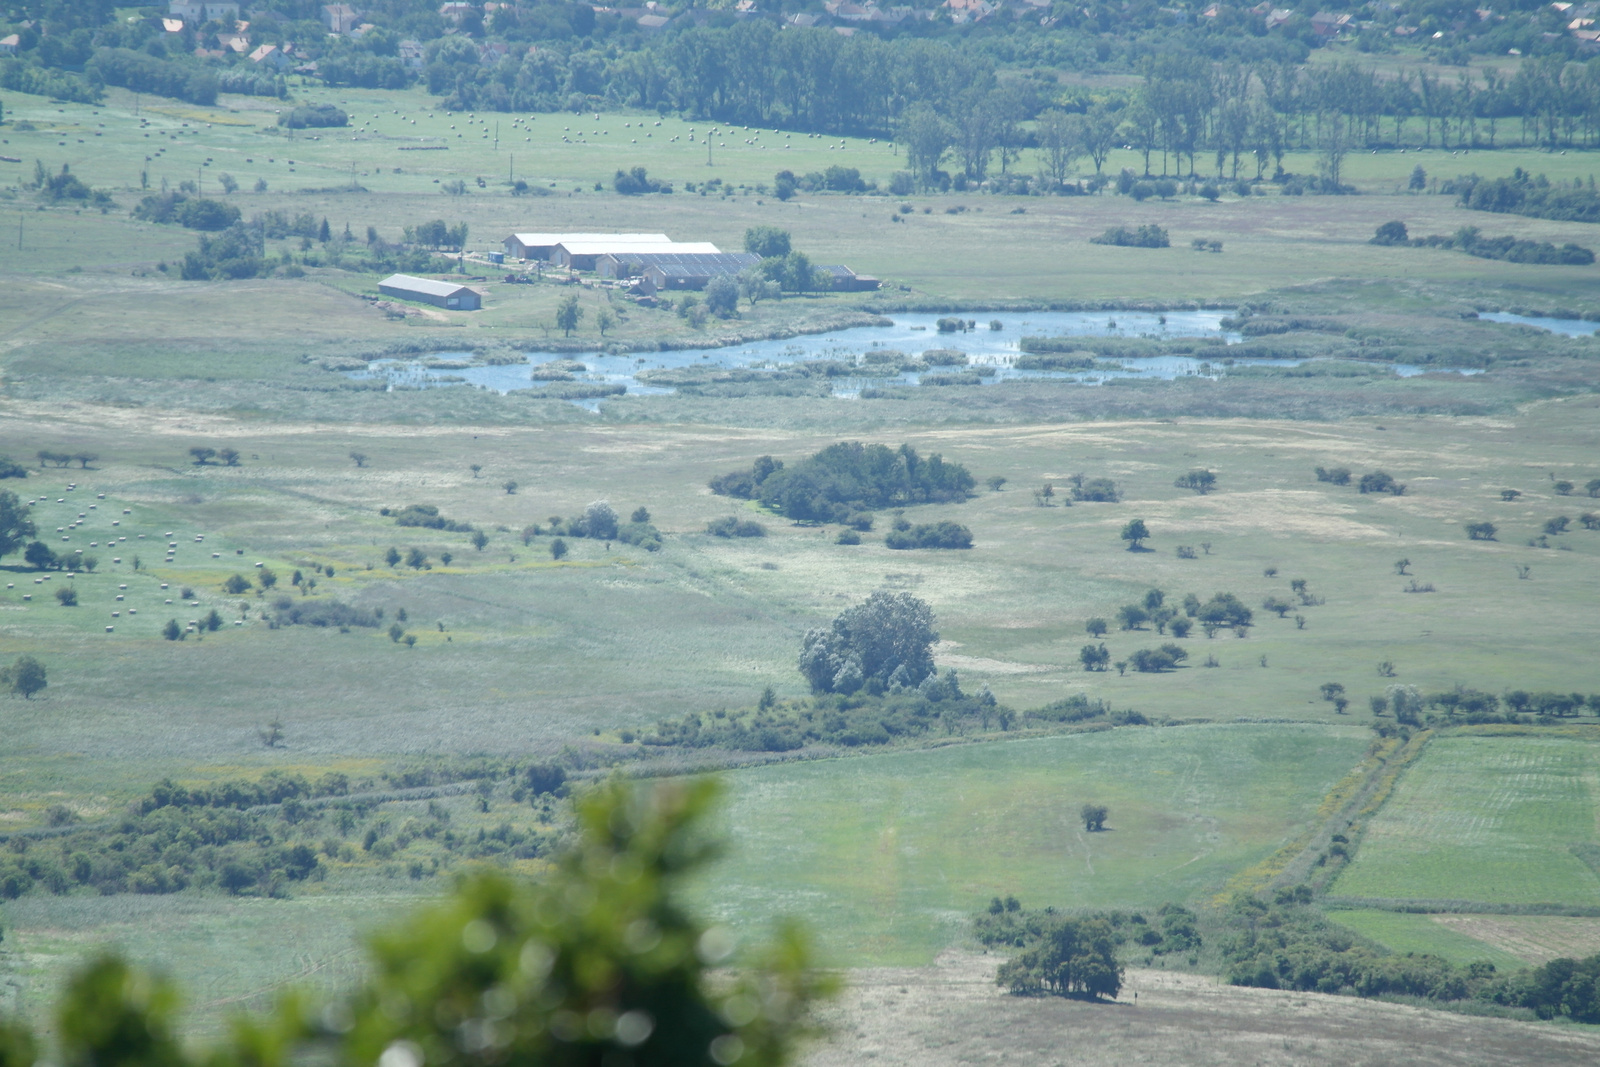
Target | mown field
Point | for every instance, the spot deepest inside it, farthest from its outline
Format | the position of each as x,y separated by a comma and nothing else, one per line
1499,820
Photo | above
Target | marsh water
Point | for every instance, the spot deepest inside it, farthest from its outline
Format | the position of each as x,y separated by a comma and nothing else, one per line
992,344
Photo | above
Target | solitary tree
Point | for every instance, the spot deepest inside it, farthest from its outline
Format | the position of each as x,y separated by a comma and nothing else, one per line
172,631
1201,481
1400,566
604,320
569,314
1135,533
360,458
884,643
229,456
1096,627
15,526
510,487
1094,657
1481,531
236,584
392,557
202,455
558,549
479,540
25,677
1094,817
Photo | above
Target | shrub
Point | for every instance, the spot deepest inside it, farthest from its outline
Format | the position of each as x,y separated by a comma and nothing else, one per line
731,526
1155,660
1481,531
236,584
1390,233
1380,482
1334,475
942,534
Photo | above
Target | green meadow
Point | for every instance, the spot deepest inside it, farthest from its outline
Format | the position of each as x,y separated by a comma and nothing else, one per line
886,857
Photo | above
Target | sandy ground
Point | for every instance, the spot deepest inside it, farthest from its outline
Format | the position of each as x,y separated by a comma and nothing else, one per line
952,1013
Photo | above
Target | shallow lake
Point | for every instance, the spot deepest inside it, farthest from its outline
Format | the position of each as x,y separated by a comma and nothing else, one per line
992,343
1566,327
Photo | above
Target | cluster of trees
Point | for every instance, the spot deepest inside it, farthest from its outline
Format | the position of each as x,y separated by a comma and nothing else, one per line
436,235
314,116
1222,611
179,77
1470,239
1287,944
1146,236
194,212
606,925
1463,704
1076,955
599,522
844,480
1536,197
65,186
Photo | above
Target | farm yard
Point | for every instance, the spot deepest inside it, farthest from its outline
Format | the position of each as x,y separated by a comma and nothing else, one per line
304,569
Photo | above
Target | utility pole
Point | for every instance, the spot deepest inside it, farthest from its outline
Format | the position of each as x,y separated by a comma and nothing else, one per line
199,190
708,150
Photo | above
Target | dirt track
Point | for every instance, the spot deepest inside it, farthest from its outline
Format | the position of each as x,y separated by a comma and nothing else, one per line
952,1013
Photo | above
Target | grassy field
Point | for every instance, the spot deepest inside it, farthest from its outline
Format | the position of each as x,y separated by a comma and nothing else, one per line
533,653
517,655
886,857
1486,819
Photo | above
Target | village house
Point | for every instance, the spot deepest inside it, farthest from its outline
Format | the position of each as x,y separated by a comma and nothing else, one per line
195,12
339,18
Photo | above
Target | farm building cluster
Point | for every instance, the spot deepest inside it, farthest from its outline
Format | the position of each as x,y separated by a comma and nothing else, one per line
653,261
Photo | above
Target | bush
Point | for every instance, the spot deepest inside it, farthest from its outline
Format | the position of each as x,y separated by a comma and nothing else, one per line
942,534
636,182
1156,660
731,526
1390,233
1380,482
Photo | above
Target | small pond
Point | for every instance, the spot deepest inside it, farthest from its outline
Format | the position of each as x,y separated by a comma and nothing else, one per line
1565,327
992,346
